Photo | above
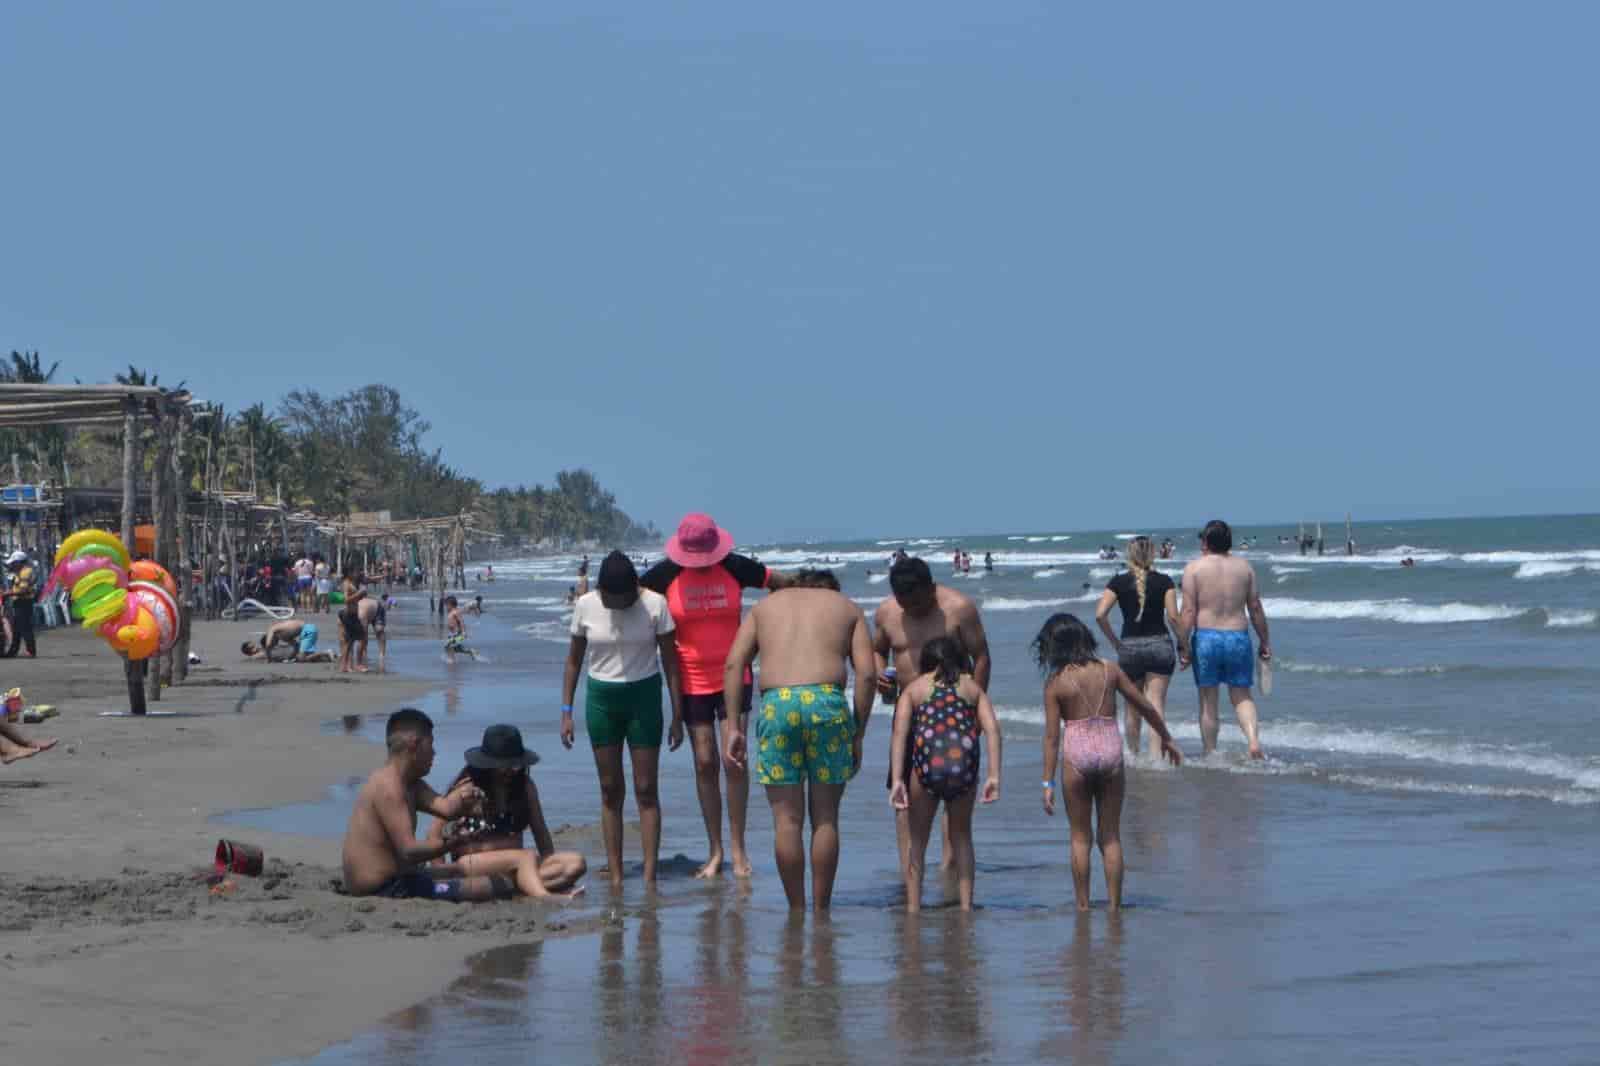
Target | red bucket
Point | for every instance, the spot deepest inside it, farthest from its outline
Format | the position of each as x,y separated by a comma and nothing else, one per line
237,858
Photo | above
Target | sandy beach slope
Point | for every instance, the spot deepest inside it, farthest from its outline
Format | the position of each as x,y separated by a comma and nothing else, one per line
112,951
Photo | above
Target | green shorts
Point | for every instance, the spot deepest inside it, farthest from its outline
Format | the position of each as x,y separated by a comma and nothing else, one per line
805,733
617,711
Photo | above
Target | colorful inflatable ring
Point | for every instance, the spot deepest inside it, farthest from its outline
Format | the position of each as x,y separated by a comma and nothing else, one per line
93,538
109,606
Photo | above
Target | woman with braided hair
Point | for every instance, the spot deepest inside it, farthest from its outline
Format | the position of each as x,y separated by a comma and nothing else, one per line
1149,602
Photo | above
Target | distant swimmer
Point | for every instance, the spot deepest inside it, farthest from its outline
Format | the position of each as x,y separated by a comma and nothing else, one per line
1408,561
988,561
1220,602
1167,548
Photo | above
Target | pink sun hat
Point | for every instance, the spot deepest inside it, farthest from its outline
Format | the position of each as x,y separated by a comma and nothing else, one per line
699,542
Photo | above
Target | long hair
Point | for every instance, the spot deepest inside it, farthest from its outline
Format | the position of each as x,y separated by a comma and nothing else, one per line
1141,554
945,659
516,795
1063,641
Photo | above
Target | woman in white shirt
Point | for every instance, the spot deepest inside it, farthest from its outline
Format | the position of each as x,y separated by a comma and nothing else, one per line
622,628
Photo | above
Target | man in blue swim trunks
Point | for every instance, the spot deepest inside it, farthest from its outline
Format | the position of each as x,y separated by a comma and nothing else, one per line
1218,592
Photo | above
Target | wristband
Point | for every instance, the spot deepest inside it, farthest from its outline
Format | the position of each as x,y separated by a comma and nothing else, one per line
1048,784
566,708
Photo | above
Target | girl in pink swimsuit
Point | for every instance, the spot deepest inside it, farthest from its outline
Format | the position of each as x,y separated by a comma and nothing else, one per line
1080,726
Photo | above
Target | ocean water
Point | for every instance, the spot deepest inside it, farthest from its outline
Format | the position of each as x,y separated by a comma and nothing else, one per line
1407,878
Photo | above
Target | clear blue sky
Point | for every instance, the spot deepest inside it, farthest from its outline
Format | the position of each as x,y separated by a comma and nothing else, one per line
848,268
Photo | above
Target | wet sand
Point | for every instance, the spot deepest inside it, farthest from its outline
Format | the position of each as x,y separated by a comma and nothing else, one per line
112,949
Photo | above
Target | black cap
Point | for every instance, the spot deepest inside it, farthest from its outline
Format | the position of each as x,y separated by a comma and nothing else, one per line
501,750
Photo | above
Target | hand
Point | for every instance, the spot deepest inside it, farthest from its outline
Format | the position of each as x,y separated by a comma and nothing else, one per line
888,687
991,790
734,748
1183,661
898,799
455,837
675,735
1049,799
567,731
1266,652
466,797
855,755
1169,748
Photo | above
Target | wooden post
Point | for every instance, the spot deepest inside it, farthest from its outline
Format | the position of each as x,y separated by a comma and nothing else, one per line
164,515
179,500
130,446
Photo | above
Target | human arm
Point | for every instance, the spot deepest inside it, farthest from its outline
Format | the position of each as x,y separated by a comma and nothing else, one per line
1189,617
1148,712
668,644
881,649
1258,617
740,656
1052,738
976,641
864,662
394,813
1169,603
542,840
898,797
995,742
1102,617
266,645
569,686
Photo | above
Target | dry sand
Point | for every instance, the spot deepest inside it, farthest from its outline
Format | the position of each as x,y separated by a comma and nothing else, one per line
112,950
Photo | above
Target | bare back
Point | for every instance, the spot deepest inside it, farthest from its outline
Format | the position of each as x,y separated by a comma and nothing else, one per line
1081,692
805,636
1221,588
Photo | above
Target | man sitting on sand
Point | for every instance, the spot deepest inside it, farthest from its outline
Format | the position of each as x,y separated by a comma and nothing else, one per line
382,855
808,636
299,637
14,746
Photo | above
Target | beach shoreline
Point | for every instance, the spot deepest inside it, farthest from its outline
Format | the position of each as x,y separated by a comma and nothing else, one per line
110,940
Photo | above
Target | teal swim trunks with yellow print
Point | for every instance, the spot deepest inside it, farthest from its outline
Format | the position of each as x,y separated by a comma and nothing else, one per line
804,733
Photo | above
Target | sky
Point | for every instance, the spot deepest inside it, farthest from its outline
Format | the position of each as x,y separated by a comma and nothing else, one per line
847,269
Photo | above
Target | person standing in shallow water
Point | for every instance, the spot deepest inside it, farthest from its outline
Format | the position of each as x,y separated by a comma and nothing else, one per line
622,628
807,744
703,580
1080,726
1218,592
1148,599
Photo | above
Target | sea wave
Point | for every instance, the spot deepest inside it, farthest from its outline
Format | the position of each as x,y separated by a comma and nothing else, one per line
1567,796
1359,671
1103,573
1402,611
1530,571
1558,619
877,579
556,632
1008,603
1047,572
1585,556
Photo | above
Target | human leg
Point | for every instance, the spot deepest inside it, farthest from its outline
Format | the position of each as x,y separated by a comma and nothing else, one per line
520,864
1108,829
919,826
958,818
738,786
1208,719
1080,811
708,785
824,807
613,790
646,768
788,804
561,870
1245,709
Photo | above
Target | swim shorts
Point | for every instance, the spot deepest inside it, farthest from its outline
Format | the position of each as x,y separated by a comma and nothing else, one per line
308,638
418,885
380,622
1223,657
618,711
805,733
1142,656
705,708
350,622
302,583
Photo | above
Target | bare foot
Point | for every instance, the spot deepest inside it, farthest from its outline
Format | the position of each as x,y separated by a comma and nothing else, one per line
1257,753
18,754
362,670
712,868
741,865
45,745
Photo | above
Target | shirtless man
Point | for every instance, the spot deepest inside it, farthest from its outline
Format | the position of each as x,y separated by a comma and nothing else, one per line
299,637
808,636
917,611
1218,591
382,855
374,622
455,632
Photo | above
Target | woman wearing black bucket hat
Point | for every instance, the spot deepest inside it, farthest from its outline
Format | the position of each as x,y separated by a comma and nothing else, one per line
627,635
499,767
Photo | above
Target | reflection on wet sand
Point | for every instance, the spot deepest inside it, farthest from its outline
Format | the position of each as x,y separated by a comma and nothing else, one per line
715,1021
939,998
631,1023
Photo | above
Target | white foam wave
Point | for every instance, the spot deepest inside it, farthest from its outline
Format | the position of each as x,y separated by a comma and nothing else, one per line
1286,570
1403,611
1036,540
556,632
1584,556
1017,537
900,540
531,601
1359,671
1569,796
1061,537
877,579
1103,572
1008,603
1557,619
1530,571
1047,572
1126,536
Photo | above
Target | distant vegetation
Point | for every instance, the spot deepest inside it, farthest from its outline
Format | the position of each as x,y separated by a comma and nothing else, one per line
362,451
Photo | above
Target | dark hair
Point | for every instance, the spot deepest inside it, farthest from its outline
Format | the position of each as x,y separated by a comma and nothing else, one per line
516,797
1217,536
248,647
945,659
813,578
450,601
1063,641
407,721
617,575
909,576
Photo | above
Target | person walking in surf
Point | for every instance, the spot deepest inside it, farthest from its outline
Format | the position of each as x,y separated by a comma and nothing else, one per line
1149,602
1219,592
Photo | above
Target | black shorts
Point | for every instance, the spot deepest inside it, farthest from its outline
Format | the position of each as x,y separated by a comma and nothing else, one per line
418,885
1142,656
706,708
354,630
